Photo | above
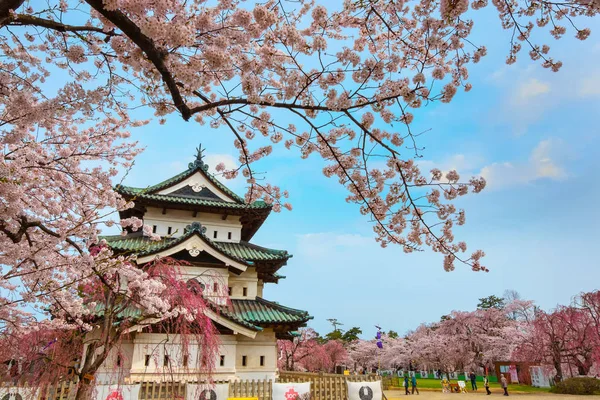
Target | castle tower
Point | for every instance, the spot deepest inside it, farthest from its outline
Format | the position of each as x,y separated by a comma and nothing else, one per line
205,224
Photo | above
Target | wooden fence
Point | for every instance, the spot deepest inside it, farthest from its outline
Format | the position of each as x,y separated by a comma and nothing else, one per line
323,387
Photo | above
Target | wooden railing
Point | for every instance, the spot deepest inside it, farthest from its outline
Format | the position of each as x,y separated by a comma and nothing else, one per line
323,387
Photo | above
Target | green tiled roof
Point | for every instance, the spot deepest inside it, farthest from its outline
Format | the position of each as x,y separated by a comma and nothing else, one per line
252,252
243,251
193,168
263,312
144,194
249,313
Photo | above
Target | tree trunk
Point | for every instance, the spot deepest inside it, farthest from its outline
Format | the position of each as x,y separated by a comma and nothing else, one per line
583,367
558,367
93,362
84,390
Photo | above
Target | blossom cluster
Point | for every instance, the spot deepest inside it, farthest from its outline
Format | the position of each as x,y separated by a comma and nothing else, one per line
345,85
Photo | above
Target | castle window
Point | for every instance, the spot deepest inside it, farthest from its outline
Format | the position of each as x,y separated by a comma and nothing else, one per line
147,360
185,360
229,290
214,234
119,360
245,292
169,229
229,235
215,287
244,359
222,361
166,361
262,361
154,228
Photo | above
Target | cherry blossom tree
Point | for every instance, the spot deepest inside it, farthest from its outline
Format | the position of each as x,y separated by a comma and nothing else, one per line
397,352
122,300
545,342
462,340
293,352
565,337
365,355
348,81
589,303
308,352
325,357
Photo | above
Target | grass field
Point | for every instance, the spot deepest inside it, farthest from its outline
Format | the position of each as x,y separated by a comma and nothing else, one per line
434,384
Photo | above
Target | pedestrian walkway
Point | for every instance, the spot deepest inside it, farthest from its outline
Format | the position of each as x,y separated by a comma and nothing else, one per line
399,395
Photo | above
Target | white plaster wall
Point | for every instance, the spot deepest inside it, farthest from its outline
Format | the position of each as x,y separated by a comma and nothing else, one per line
259,288
233,347
198,181
247,279
156,345
109,371
179,219
265,344
209,277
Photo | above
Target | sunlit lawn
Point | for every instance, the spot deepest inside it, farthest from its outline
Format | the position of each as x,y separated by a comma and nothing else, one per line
494,387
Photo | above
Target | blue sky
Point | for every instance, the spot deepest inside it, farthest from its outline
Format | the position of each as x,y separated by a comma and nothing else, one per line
532,133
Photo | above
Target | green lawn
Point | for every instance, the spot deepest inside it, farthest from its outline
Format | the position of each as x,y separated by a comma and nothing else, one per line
494,387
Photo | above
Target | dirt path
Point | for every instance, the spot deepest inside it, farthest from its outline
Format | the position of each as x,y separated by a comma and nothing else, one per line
399,395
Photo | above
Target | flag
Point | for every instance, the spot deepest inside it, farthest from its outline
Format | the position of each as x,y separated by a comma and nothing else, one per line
379,342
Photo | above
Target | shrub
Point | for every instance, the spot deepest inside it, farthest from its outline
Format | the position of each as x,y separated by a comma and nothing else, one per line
578,386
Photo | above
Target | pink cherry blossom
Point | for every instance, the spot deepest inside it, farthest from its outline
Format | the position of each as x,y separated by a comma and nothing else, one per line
72,72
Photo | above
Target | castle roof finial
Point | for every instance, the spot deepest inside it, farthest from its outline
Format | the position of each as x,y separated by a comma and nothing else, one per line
199,162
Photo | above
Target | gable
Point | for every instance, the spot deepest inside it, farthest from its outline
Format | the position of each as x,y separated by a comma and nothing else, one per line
198,185
195,246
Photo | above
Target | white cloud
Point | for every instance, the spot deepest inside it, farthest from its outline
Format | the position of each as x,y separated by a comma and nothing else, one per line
526,104
542,164
542,160
529,90
589,86
238,184
459,162
213,159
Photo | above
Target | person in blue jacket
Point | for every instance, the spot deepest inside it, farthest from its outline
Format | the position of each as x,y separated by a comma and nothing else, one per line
414,384
406,385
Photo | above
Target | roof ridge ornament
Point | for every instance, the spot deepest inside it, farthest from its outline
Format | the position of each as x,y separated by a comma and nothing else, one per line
199,162
195,226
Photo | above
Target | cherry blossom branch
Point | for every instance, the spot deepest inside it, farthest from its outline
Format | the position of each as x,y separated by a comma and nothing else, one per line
24,19
156,55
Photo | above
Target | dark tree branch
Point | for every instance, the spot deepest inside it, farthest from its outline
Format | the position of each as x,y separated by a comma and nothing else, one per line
24,20
6,6
155,54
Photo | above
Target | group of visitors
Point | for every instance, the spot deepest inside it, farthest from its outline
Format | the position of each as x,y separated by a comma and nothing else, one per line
446,386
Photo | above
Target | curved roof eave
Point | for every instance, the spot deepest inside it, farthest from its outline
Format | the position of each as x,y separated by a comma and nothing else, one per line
186,242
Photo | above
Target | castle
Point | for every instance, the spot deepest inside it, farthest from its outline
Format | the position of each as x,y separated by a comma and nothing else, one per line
205,224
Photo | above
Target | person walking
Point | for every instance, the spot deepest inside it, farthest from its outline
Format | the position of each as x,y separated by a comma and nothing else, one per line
486,383
504,384
413,381
473,379
406,392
